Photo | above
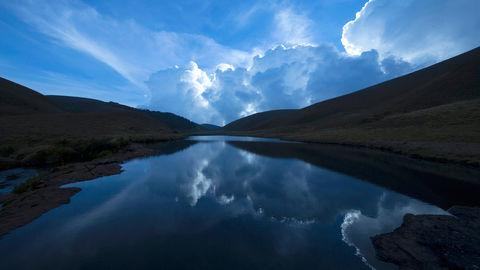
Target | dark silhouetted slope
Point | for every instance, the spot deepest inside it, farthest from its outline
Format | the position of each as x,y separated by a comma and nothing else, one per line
17,99
450,81
258,121
37,129
174,121
210,127
86,105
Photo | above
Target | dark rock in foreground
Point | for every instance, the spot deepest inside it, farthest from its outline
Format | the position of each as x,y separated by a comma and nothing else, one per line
434,241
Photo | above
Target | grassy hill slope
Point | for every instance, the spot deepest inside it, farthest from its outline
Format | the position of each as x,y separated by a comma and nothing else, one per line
16,99
86,105
49,129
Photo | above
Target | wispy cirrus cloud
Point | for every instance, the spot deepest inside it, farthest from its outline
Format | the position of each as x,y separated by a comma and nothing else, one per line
63,22
127,47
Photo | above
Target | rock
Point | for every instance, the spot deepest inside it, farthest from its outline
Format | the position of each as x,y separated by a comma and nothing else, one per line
434,241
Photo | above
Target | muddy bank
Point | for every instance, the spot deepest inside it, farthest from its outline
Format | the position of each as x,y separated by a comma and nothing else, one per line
45,192
434,241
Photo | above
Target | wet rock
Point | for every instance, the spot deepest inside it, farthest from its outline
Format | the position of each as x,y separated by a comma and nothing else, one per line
434,241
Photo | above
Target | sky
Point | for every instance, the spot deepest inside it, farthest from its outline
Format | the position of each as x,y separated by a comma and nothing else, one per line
217,61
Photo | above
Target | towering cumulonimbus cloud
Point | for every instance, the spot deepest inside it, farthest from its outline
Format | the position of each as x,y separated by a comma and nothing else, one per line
283,78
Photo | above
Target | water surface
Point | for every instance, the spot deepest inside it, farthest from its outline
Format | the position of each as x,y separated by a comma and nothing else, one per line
232,203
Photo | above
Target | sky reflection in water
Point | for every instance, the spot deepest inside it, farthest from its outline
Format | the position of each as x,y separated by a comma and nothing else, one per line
214,206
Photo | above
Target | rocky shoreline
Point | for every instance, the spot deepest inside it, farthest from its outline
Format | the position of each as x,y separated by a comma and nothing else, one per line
434,241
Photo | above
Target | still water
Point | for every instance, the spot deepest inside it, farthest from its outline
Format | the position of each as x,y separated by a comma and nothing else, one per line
231,203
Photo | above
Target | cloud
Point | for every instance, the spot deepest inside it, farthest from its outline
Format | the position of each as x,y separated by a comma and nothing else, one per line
132,50
55,83
337,74
415,31
224,199
194,76
292,28
282,78
200,184
232,94
180,91
69,24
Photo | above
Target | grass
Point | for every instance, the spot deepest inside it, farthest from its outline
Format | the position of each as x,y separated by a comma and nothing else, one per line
66,151
44,152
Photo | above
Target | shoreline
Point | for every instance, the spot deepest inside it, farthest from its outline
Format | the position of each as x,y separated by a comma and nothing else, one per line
45,192
403,148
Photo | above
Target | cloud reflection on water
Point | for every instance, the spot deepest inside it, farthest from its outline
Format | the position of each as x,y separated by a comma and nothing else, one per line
268,204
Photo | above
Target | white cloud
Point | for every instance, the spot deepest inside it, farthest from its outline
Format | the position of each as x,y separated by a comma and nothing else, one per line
292,28
224,67
224,199
200,184
196,77
130,49
68,25
180,91
282,78
203,97
419,32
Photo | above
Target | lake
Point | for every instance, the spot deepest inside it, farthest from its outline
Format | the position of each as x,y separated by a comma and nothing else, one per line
236,203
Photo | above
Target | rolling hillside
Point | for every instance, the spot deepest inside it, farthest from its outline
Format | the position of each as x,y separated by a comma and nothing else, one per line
86,105
432,113
16,99
36,127
26,113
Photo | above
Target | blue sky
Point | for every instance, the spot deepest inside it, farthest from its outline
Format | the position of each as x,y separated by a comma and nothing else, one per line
215,61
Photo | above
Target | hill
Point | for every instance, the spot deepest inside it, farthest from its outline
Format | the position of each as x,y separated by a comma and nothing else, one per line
16,99
87,105
258,121
432,113
35,127
210,127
